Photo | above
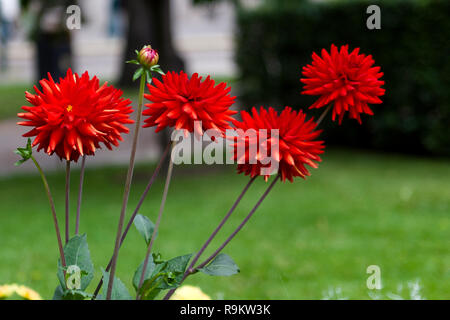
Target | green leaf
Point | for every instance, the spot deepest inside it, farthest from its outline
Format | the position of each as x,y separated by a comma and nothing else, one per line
166,275
144,226
157,68
222,265
76,295
178,264
132,61
58,294
148,272
175,269
119,291
138,73
149,76
77,253
25,153
61,294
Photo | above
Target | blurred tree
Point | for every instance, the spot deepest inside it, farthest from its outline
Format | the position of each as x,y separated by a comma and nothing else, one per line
46,27
149,23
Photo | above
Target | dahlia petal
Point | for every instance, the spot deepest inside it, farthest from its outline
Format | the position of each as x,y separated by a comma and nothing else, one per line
63,115
339,76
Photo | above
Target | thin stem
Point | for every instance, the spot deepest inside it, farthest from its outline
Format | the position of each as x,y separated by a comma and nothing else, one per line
80,194
324,113
67,199
52,207
247,218
141,201
158,221
211,237
126,189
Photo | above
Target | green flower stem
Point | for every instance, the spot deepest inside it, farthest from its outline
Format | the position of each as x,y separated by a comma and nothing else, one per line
80,194
158,221
141,201
126,189
190,269
52,207
247,218
67,200
324,113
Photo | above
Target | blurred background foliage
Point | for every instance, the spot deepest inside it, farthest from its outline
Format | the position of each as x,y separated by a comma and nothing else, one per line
276,39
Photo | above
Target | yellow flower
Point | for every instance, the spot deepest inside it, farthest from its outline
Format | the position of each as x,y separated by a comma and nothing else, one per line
189,293
27,293
7,290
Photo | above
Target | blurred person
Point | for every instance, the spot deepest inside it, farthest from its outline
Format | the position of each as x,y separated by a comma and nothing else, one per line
149,22
116,22
47,29
9,11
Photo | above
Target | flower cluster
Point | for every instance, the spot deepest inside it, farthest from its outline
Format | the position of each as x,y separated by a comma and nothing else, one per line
74,116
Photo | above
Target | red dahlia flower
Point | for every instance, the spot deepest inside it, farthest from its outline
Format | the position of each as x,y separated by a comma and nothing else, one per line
73,116
178,101
347,79
296,142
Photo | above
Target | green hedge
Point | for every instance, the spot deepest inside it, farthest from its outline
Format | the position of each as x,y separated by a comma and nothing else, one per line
412,48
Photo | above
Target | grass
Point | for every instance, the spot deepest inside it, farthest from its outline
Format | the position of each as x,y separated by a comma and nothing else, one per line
13,97
358,209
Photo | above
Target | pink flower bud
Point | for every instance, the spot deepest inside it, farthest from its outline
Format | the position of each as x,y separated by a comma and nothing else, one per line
148,57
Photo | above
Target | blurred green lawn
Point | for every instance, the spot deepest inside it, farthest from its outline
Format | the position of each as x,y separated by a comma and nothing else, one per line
358,209
12,98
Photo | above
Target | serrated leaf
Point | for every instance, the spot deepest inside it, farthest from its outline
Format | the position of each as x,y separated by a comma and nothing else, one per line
177,266
148,272
76,252
145,227
166,275
119,290
138,73
222,265
150,287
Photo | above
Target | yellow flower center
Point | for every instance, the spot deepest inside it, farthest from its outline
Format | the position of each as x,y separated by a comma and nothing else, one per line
69,108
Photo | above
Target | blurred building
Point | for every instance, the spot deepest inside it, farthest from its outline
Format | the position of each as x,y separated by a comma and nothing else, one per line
202,35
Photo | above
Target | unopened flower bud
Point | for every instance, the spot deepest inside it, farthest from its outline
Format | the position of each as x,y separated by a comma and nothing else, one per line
148,57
